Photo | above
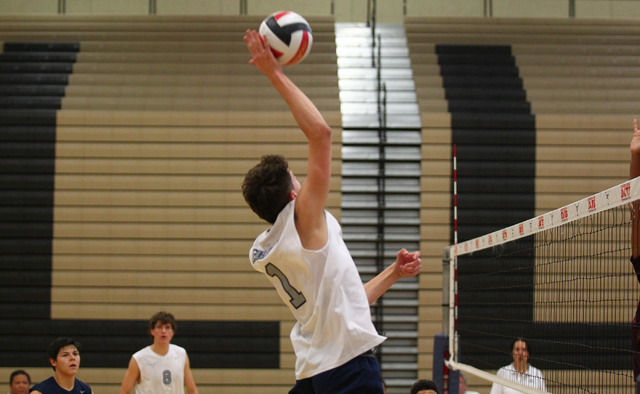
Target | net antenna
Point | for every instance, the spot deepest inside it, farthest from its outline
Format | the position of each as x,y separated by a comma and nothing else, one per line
580,299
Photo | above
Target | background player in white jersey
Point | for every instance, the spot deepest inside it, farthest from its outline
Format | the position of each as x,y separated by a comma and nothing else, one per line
305,258
161,368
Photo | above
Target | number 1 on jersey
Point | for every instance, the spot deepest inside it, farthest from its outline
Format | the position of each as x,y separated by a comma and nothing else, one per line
296,298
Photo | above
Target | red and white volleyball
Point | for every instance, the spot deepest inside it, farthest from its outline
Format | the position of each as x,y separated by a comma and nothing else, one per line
289,36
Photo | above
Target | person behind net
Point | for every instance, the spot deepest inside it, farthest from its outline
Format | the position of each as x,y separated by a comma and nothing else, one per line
462,385
19,382
64,356
305,258
424,386
161,367
520,371
634,172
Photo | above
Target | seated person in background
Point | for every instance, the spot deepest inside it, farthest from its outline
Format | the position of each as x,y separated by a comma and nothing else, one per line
519,371
19,382
64,356
424,386
462,388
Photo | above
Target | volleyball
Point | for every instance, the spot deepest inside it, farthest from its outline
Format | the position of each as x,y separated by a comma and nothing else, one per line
289,36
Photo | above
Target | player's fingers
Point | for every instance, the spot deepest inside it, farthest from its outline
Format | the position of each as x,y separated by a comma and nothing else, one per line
411,266
412,270
249,36
253,41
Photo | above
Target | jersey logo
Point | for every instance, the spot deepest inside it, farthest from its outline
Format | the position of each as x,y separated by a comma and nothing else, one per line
257,254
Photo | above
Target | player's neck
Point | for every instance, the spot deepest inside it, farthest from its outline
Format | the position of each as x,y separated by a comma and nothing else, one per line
160,349
67,382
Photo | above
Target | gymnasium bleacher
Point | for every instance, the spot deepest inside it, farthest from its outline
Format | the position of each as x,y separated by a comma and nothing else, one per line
125,143
134,186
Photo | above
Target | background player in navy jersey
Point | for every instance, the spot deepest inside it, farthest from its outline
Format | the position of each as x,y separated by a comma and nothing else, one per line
64,356
305,258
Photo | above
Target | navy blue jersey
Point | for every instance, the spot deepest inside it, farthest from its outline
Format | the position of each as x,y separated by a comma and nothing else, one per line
50,386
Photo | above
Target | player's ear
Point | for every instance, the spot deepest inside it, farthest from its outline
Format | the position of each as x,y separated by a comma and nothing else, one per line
53,362
292,195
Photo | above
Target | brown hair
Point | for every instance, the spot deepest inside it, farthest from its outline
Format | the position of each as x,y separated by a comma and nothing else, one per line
164,318
266,187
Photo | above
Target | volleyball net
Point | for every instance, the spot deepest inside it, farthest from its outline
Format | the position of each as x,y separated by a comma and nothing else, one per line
563,281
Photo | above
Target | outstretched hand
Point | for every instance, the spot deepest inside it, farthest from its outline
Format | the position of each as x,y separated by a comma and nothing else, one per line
262,57
408,264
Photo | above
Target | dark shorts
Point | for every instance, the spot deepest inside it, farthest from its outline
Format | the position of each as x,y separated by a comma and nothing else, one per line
360,375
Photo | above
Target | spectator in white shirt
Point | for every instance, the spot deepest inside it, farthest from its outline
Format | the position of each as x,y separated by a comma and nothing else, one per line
519,371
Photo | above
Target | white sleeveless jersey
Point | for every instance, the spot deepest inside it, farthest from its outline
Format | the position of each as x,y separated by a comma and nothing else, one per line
161,374
323,290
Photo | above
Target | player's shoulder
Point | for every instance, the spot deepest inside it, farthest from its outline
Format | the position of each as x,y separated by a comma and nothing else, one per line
143,351
283,228
177,354
177,349
42,386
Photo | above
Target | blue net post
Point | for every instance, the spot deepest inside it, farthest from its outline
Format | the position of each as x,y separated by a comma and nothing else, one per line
444,378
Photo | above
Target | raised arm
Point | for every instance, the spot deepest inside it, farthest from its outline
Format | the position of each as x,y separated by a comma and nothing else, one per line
406,265
634,171
311,199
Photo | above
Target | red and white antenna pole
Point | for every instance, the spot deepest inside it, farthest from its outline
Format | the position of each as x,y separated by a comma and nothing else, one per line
455,242
453,279
455,196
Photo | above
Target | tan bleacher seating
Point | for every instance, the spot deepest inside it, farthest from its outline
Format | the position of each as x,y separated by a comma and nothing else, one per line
162,118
